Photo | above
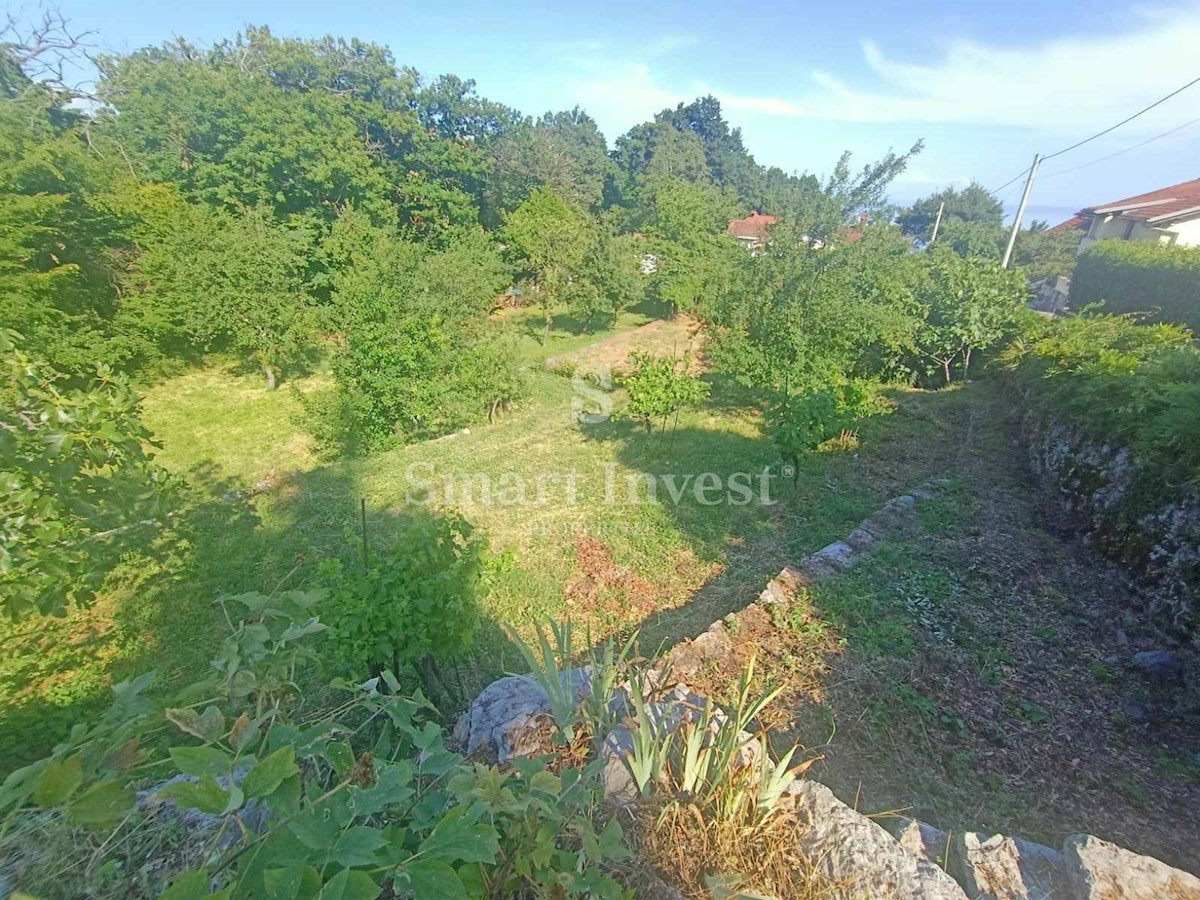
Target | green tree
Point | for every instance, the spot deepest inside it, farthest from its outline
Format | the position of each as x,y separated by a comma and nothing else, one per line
971,204
217,280
76,473
970,304
550,238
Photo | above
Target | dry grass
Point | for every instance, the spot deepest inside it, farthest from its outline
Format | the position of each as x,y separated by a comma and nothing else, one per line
740,853
663,337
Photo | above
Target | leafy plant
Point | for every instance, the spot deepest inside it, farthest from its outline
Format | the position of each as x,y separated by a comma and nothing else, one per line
76,474
659,387
416,603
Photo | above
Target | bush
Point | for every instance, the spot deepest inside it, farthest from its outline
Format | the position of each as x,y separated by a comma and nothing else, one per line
1163,282
802,422
658,388
76,474
415,601
294,808
1120,382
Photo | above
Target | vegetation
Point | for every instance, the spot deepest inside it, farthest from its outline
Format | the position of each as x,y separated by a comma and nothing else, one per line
404,255
1161,283
1121,381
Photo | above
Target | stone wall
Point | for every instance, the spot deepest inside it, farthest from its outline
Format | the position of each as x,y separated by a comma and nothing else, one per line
1093,483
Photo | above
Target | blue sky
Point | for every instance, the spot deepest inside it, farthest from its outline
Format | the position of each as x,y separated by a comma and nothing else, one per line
985,85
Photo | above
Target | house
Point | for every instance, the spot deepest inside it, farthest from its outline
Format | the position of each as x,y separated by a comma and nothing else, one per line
753,232
1167,216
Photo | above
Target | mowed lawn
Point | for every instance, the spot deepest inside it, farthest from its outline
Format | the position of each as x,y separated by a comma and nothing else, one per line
262,511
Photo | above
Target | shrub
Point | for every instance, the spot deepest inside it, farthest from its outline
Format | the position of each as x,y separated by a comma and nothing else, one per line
1120,382
295,808
802,422
660,387
1161,281
416,601
76,473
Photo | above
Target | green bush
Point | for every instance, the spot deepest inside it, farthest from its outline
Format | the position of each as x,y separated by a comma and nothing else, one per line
658,388
1162,281
415,601
1120,383
76,474
362,800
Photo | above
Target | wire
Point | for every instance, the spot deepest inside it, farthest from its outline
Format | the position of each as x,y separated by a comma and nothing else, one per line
1120,152
1122,122
1021,174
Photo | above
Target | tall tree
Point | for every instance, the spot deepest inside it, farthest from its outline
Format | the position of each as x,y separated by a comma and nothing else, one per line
971,204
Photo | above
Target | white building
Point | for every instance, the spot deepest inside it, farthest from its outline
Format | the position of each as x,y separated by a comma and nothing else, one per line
1167,216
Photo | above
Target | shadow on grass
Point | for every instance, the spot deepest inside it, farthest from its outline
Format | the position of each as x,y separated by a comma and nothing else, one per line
159,610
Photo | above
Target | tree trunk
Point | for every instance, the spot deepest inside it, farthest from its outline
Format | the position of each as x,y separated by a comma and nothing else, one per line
966,362
946,369
270,373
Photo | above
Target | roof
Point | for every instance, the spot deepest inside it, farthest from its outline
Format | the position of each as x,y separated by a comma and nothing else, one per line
754,226
1161,207
1079,220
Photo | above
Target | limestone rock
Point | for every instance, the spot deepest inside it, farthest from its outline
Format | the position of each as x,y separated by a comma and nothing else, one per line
852,850
508,713
1006,868
921,840
1098,870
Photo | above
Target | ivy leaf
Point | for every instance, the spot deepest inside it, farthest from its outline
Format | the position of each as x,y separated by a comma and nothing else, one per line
205,795
350,884
191,885
59,781
201,760
270,772
356,846
101,805
458,840
434,878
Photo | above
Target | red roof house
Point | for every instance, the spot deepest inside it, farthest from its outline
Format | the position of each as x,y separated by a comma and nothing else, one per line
1169,215
754,230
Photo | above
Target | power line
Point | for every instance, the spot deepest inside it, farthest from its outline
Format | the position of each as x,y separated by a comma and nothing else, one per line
1120,152
1020,174
1122,122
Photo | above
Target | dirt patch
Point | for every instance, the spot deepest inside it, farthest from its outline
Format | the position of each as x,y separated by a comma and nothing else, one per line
602,589
663,337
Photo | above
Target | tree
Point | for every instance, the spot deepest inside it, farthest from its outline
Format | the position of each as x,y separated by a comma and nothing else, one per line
971,204
76,473
213,280
563,152
969,306
659,387
550,238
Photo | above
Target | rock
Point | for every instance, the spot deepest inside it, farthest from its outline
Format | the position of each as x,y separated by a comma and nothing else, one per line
1098,870
1161,664
1122,638
1112,660
831,559
509,712
854,851
921,840
254,814
1006,868
712,646
1136,711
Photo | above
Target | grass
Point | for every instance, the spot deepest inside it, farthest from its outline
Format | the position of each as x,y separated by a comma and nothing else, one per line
676,567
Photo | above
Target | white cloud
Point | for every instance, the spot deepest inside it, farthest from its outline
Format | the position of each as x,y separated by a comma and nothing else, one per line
1059,84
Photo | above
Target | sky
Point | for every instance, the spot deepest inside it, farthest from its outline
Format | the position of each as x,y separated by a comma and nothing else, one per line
985,85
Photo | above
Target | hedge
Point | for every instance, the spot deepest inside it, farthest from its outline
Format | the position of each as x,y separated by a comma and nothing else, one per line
1143,278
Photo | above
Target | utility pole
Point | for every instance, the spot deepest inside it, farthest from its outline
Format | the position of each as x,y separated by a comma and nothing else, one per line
1012,238
938,221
